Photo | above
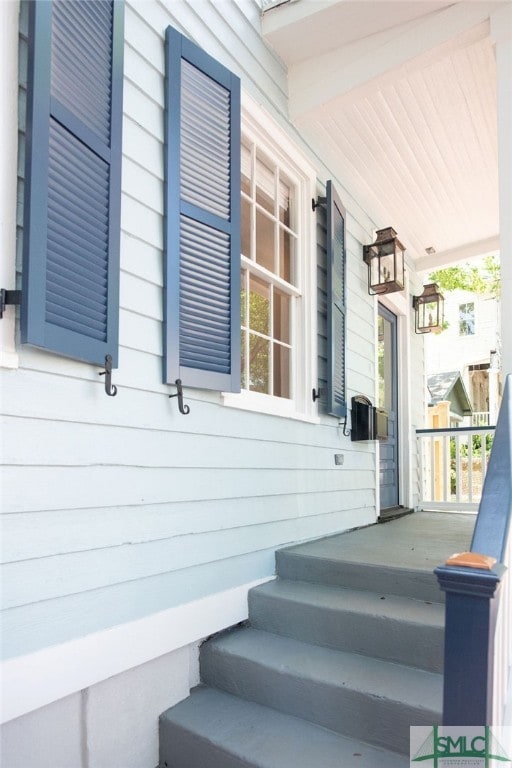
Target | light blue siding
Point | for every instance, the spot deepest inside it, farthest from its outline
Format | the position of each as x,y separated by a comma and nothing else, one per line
119,507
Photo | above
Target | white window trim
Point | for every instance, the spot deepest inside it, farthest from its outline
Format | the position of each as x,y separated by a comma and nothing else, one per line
260,128
8,174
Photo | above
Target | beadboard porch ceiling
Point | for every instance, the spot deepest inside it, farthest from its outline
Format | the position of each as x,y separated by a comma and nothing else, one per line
399,99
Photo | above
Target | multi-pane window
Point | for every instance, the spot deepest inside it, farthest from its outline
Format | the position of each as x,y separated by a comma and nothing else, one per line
467,319
270,288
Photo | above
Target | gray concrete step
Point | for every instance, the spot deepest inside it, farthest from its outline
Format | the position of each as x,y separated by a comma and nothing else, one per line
396,558
388,627
344,651
212,729
325,563
364,698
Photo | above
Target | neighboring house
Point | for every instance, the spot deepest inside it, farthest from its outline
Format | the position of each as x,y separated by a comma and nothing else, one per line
449,402
135,524
471,344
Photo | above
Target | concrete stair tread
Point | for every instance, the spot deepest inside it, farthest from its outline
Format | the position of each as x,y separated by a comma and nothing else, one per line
398,557
387,606
319,567
212,728
411,543
343,650
284,656
392,627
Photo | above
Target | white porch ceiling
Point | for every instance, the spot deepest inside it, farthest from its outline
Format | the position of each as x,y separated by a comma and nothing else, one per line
399,99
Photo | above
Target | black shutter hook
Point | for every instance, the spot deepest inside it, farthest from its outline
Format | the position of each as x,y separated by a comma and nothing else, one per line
110,388
184,409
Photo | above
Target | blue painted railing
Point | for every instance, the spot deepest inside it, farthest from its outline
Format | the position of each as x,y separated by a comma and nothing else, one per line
477,586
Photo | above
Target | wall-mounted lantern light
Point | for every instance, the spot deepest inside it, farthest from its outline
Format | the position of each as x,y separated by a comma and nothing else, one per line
385,259
429,309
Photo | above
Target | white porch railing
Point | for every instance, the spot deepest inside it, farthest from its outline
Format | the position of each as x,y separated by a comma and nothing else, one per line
453,464
480,418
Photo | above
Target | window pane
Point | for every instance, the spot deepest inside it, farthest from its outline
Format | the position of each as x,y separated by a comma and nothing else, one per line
281,316
243,298
259,306
284,203
243,363
467,319
259,364
246,170
385,363
264,241
246,228
265,185
286,246
281,371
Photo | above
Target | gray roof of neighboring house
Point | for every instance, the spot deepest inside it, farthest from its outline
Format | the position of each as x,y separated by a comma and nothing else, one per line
449,386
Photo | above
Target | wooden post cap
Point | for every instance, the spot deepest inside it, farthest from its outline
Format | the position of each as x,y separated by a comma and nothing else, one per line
472,560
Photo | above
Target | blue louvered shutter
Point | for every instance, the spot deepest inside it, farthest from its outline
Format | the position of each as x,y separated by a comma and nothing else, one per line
336,308
70,290
202,204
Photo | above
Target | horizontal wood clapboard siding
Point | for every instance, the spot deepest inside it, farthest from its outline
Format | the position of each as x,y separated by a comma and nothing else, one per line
76,530
162,449
118,507
40,624
38,580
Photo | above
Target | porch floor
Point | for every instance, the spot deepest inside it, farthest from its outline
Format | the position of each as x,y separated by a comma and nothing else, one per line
419,541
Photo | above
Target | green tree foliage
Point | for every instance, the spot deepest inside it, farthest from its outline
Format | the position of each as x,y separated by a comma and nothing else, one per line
476,445
476,441
484,279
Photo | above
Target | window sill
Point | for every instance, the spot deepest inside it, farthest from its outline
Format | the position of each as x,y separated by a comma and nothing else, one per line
271,406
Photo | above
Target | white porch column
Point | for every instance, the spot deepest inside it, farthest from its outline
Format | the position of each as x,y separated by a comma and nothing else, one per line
9,11
501,34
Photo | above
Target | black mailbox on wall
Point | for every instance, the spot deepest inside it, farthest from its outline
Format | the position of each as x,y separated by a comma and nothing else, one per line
368,422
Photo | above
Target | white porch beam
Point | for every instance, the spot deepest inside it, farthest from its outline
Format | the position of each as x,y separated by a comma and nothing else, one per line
354,69
284,16
462,253
501,34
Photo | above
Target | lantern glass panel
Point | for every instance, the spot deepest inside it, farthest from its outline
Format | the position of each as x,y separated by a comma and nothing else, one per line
399,267
387,268
429,315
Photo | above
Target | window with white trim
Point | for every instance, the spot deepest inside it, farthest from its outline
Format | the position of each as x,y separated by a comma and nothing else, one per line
270,277
276,300
467,319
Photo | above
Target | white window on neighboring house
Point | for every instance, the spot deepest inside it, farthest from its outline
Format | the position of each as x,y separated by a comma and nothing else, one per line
277,266
467,319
